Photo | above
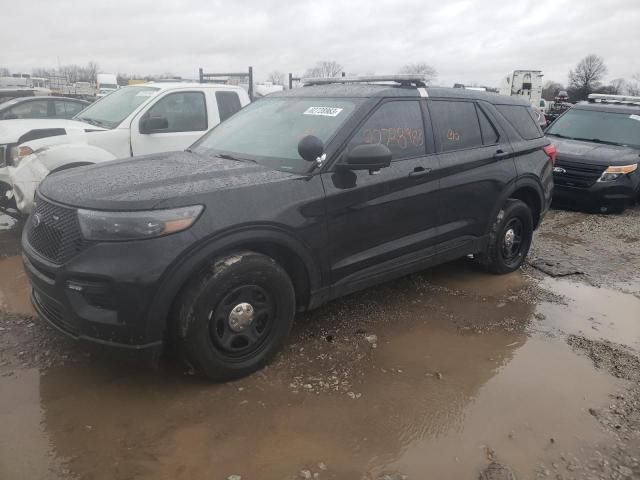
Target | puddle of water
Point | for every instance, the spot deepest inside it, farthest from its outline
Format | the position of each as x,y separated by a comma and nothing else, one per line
464,276
15,289
24,447
108,422
597,313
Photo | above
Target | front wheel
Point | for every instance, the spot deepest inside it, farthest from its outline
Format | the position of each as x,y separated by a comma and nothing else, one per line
509,239
235,315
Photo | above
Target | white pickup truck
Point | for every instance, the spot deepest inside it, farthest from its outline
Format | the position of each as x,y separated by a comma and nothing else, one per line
135,120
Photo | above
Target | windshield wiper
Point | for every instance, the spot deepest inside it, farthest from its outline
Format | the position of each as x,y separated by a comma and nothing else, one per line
605,142
227,156
92,121
559,135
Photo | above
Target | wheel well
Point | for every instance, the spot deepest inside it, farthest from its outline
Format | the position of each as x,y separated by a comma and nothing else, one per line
291,262
288,259
532,199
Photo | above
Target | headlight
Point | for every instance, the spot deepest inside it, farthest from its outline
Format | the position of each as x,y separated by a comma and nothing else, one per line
118,226
613,173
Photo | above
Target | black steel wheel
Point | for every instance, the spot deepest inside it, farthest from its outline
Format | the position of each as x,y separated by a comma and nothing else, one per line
512,239
235,315
509,238
242,320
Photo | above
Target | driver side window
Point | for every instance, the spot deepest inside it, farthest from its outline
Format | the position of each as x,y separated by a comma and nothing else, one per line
184,111
396,124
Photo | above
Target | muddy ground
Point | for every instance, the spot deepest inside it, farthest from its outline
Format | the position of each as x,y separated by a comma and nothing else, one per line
434,376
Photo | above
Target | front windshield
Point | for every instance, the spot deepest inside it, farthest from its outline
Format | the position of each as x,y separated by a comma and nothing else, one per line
268,131
605,127
110,111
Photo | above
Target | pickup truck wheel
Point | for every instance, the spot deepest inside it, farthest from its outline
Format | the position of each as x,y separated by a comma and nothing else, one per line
509,238
236,315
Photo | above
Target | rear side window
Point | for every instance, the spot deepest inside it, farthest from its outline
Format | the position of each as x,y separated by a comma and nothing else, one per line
228,104
398,125
456,124
489,134
522,119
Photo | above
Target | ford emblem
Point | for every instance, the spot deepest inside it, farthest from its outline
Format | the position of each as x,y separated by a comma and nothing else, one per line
37,220
559,170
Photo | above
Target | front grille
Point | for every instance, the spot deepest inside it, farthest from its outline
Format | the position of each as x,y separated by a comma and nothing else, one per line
54,232
53,312
577,174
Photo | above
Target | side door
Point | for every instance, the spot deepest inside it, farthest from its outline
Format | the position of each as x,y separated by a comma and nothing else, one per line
173,122
380,222
475,166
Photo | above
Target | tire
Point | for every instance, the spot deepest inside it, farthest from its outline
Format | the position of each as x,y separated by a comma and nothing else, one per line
499,258
234,316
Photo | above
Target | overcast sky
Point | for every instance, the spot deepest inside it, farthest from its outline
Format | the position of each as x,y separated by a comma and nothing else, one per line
464,40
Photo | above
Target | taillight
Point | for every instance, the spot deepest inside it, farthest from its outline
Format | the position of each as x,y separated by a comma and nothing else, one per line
551,152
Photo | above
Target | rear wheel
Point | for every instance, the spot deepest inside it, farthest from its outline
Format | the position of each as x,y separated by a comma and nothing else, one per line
509,239
235,315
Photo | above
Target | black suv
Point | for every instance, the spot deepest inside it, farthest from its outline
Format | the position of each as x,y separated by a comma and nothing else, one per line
301,197
598,145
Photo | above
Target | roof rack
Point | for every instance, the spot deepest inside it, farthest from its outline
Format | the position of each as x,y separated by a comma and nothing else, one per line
404,79
615,99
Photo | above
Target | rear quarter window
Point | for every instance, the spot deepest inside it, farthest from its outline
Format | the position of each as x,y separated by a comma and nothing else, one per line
522,120
228,104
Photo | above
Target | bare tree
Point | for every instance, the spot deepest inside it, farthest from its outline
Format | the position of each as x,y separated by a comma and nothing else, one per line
4,72
633,86
41,72
587,76
91,73
275,77
324,68
420,68
551,89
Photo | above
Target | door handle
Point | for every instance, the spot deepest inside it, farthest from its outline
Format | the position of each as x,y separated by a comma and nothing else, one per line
500,154
419,172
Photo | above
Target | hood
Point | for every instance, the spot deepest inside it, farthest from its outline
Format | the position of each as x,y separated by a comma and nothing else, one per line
594,153
12,130
144,182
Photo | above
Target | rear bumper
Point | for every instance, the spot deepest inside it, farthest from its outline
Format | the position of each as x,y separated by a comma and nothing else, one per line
601,196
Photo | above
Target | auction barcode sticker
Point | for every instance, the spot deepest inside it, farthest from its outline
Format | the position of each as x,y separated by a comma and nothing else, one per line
323,111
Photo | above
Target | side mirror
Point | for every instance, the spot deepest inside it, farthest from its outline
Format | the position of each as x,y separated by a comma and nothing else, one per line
310,148
153,124
368,157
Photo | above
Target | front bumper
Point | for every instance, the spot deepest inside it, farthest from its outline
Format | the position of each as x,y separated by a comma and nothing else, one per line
105,293
601,196
24,180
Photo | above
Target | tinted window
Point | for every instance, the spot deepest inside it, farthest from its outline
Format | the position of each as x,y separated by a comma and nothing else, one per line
398,125
456,124
228,104
489,134
522,119
30,109
184,111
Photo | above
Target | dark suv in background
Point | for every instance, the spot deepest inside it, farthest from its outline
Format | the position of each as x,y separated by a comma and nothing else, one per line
301,197
598,145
